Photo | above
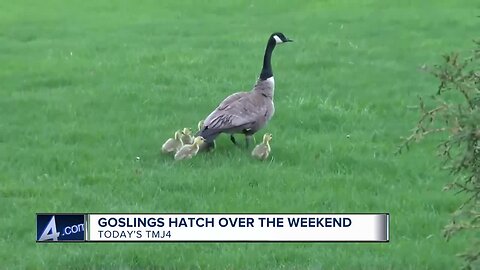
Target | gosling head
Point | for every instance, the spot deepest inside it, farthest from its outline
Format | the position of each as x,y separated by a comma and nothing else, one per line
187,131
178,134
267,138
200,124
279,38
198,140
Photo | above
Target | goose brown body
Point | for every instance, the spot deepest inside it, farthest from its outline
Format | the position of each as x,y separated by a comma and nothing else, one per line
244,112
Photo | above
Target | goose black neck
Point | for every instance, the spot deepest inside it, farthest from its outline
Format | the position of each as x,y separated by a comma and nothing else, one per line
267,63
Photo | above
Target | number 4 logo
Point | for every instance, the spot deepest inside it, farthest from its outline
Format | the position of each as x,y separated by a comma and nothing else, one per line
50,231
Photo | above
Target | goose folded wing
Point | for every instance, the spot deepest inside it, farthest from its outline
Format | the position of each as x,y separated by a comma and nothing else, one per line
230,99
242,113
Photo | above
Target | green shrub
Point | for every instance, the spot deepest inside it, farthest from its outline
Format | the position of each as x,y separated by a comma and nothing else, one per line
455,112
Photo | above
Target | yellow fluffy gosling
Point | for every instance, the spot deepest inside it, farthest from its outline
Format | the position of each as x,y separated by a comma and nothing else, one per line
190,150
200,125
186,137
174,144
262,151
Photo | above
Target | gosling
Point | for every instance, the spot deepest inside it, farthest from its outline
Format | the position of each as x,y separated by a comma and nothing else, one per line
262,150
200,125
172,145
186,137
190,150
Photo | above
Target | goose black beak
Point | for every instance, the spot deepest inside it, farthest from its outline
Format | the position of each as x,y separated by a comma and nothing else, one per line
289,40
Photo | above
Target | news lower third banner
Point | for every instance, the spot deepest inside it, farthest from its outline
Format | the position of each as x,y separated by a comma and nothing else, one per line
213,227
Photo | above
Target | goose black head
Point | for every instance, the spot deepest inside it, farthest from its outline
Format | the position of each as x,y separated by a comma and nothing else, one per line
275,38
280,38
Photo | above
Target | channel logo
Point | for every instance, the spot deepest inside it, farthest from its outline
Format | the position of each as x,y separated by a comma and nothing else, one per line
60,227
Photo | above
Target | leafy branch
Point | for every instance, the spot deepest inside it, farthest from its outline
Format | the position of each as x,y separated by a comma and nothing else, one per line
455,112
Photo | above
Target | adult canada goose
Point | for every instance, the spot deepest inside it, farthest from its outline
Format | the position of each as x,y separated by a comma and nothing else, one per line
262,151
174,144
190,150
245,112
187,137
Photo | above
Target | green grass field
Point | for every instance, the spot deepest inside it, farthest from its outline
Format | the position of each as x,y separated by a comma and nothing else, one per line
87,86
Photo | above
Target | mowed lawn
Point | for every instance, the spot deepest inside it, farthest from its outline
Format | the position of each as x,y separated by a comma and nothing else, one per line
87,86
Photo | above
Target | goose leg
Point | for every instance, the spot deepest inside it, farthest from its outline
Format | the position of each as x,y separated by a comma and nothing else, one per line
248,140
232,138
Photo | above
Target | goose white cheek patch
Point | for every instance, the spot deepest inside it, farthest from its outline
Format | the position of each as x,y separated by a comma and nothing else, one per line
277,39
